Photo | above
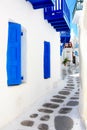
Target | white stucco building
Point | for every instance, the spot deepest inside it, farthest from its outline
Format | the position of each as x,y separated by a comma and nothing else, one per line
14,100
81,21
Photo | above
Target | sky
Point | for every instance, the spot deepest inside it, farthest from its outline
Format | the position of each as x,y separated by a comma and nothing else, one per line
71,4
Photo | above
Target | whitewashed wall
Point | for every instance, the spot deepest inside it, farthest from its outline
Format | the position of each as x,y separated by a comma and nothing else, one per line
14,100
67,53
83,64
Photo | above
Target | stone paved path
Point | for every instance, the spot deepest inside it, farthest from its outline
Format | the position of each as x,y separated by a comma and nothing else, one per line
57,111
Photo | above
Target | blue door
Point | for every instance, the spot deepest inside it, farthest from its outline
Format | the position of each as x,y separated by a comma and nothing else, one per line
46,60
14,54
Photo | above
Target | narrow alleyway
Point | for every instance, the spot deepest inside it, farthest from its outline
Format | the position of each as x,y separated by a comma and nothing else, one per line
59,110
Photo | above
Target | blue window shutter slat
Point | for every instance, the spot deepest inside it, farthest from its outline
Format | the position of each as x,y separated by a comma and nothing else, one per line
14,54
46,60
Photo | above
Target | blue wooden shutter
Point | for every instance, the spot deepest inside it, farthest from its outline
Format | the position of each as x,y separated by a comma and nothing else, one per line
46,60
14,54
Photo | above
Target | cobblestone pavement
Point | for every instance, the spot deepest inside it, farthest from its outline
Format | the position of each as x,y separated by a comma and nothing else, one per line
59,110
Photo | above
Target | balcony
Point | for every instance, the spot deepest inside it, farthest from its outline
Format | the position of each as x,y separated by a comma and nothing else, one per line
65,36
58,15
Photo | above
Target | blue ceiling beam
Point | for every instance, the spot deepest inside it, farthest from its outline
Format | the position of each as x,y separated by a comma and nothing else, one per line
37,4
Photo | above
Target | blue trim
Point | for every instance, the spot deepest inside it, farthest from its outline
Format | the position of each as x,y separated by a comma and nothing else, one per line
59,13
41,3
14,54
46,59
65,36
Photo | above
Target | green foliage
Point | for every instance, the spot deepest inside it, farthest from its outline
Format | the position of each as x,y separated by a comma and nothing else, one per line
65,61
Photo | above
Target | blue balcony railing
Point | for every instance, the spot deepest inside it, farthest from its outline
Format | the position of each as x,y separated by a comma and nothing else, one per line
58,15
41,3
65,36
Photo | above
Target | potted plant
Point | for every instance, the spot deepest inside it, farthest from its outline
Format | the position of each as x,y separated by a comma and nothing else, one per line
65,61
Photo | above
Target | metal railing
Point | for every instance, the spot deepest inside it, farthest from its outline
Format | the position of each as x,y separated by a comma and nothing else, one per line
60,5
